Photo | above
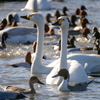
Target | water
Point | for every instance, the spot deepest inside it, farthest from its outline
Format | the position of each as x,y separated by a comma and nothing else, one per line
16,53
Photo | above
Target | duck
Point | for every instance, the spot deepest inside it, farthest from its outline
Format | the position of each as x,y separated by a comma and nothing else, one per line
70,43
32,81
35,5
70,86
12,16
83,13
11,95
37,62
26,64
74,66
97,43
4,36
95,33
3,23
85,32
84,21
64,10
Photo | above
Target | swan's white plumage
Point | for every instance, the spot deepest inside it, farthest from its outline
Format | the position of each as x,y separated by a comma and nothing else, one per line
43,5
34,5
37,66
91,63
31,5
20,34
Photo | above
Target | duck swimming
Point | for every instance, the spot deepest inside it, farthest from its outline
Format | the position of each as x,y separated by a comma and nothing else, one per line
68,86
32,81
27,62
75,69
37,66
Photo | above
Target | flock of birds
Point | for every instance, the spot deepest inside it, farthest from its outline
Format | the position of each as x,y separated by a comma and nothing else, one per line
73,69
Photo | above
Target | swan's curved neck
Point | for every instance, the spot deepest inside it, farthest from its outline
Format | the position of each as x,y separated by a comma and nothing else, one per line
63,53
40,44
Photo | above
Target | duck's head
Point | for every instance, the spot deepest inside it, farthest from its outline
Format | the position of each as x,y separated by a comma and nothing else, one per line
62,72
34,79
64,10
84,21
4,36
73,38
36,18
94,29
77,11
83,7
62,22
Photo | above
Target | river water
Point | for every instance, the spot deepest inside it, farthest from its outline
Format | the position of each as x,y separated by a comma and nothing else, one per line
16,53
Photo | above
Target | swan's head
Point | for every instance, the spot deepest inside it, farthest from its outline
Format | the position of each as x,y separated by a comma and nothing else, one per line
62,72
36,18
62,22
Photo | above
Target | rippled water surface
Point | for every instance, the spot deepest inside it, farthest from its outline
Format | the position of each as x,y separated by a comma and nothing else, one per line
16,53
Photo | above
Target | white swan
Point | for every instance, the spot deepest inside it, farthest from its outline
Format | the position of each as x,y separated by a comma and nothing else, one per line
37,66
34,5
90,62
43,5
20,34
31,5
77,72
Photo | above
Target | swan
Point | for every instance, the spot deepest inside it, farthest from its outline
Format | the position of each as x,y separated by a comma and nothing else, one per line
90,62
20,35
5,95
66,86
37,66
34,5
75,69
32,81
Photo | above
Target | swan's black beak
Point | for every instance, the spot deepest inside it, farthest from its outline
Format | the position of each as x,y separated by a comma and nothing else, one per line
24,17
